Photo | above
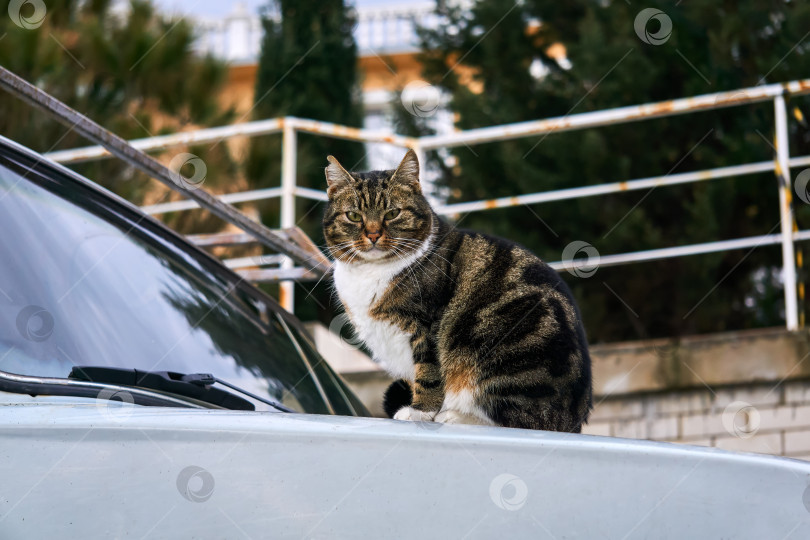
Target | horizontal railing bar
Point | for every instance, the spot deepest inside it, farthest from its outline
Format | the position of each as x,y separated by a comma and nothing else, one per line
256,260
314,194
230,198
197,136
530,198
220,239
803,161
603,189
618,115
350,133
679,251
248,129
487,134
505,202
274,275
242,196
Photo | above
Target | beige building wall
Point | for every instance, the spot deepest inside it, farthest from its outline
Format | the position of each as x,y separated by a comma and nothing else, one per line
388,72
239,89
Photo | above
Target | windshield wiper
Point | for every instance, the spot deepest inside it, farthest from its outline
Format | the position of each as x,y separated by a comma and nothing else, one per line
197,386
34,385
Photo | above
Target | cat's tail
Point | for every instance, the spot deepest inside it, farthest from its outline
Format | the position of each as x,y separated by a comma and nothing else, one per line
398,395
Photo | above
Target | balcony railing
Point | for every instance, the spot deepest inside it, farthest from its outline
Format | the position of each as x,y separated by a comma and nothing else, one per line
281,268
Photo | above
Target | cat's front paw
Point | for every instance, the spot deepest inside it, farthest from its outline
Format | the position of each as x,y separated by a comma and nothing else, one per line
414,415
456,417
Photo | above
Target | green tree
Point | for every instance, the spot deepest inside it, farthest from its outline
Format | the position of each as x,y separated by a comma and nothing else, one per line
307,68
487,60
135,73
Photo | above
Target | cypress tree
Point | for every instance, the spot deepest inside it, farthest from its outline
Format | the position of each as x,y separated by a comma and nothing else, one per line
307,68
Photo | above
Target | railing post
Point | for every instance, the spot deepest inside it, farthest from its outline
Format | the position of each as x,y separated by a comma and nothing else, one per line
428,190
288,172
786,213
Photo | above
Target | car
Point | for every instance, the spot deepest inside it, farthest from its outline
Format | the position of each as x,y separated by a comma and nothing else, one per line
147,391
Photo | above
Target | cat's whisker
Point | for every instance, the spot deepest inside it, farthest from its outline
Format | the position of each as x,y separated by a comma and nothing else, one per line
435,247
432,250
339,247
412,276
336,253
355,254
408,242
312,290
420,263
335,249
340,244
415,246
414,284
329,248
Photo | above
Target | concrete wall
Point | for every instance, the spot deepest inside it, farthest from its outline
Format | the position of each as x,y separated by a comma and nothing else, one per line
762,355
747,391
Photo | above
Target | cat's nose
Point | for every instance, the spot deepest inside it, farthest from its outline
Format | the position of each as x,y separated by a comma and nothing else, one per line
373,236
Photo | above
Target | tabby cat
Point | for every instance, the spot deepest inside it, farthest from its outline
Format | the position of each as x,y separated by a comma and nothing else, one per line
478,329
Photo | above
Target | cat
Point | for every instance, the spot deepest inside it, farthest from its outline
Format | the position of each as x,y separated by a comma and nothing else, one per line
477,329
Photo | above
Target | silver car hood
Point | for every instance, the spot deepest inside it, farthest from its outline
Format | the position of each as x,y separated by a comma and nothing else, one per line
87,469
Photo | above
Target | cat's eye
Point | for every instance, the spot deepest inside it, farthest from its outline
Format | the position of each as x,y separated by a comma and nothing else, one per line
354,216
391,214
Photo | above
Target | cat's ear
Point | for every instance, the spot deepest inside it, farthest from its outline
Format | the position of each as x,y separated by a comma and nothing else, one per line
408,171
336,175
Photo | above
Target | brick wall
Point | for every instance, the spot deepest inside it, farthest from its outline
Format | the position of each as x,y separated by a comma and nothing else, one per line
745,391
767,418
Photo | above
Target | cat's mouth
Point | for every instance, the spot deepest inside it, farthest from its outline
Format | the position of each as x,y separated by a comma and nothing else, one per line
374,252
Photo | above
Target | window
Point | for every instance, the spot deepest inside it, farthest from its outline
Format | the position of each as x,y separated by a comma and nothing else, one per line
86,280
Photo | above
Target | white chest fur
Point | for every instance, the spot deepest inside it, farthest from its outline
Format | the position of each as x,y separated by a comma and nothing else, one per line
360,286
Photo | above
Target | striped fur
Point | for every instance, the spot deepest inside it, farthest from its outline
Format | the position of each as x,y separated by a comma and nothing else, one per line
494,333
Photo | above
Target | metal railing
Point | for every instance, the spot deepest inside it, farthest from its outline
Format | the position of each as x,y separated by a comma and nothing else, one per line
288,190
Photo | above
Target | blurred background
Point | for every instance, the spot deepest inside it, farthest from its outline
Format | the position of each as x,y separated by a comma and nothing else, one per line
696,348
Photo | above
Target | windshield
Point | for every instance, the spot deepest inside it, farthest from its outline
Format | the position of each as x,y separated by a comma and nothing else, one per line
86,281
